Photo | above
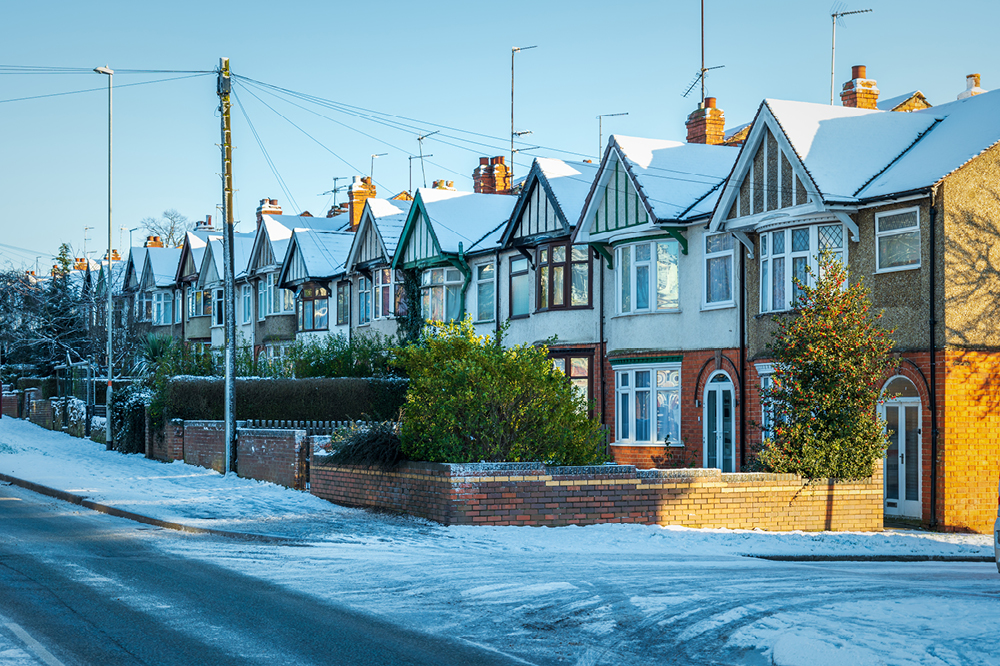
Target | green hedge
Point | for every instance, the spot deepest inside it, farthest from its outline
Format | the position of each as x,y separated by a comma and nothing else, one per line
47,384
320,399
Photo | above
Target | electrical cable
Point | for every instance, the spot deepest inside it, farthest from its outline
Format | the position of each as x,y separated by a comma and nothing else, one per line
267,157
101,89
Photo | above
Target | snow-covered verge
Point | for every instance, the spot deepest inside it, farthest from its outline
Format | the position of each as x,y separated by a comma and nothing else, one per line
187,494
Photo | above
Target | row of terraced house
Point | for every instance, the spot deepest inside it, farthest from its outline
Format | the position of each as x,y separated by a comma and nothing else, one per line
656,275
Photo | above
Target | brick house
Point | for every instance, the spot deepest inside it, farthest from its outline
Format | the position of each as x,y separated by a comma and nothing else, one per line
911,203
668,298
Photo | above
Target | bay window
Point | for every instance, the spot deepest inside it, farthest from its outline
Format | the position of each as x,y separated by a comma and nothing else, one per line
648,404
787,254
897,240
563,276
719,270
364,300
162,308
313,308
199,303
648,277
282,300
485,289
441,293
388,293
520,287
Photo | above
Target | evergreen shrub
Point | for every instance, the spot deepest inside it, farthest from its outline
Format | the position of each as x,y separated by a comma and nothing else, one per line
471,399
128,423
375,445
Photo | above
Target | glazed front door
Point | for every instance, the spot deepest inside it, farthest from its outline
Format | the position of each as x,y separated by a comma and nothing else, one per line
719,450
902,458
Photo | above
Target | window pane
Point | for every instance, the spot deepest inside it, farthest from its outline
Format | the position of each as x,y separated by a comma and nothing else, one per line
642,252
831,237
582,387
484,301
799,265
667,291
453,298
899,250
778,238
763,245
580,253
778,282
625,273
579,367
543,283
399,303
642,424
518,265
579,291
897,221
800,240
301,322
720,279
765,303
308,312
543,256
559,364
386,300
642,287
668,378
892,453
642,379
711,431
558,285
519,295
668,411
453,275
623,418
559,254
322,309
485,271
718,243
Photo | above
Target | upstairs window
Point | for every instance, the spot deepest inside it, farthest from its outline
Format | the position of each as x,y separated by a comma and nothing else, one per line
485,289
441,293
719,270
647,277
563,276
199,303
162,308
897,240
314,307
786,254
388,293
282,300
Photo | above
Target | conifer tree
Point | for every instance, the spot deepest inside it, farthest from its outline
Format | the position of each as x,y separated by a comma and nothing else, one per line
829,357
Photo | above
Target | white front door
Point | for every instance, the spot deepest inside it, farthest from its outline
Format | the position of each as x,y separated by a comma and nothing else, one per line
902,459
720,452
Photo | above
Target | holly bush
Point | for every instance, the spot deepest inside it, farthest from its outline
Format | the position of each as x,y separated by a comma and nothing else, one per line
471,399
829,357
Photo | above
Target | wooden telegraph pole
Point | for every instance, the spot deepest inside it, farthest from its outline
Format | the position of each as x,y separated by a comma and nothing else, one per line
224,88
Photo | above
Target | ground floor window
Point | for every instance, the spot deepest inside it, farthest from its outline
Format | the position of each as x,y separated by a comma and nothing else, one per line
314,307
577,369
441,294
648,400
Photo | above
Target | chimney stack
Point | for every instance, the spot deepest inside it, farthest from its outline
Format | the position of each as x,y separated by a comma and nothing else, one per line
860,92
153,241
267,207
706,124
360,191
971,87
492,176
204,225
443,185
80,264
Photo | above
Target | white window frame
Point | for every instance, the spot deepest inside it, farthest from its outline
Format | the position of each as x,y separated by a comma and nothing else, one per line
879,235
178,306
765,291
765,371
218,307
625,259
364,300
163,308
394,286
262,300
729,254
247,303
673,397
481,283
429,289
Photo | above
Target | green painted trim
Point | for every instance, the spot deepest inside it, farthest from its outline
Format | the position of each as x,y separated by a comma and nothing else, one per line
675,358
669,233
602,250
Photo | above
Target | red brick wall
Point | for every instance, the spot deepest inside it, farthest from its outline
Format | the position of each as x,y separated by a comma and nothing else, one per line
696,368
205,444
526,494
277,456
9,406
40,413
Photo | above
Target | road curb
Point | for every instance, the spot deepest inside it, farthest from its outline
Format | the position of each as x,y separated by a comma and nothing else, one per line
139,518
875,558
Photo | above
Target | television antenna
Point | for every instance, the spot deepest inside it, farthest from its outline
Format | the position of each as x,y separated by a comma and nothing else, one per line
700,75
336,189
600,130
836,16
420,157
420,142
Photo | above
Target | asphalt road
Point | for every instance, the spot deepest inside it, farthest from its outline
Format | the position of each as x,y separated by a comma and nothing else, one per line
81,588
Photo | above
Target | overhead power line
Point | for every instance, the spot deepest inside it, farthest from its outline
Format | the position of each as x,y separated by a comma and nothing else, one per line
104,90
267,157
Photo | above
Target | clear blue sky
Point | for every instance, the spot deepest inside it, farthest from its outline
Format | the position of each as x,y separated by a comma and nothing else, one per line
443,62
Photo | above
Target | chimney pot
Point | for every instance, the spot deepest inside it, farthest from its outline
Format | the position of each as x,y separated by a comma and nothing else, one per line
484,161
706,124
710,102
860,92
274,202
858,72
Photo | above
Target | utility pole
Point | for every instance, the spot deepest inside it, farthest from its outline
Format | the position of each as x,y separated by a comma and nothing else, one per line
108,282
513,51
223,90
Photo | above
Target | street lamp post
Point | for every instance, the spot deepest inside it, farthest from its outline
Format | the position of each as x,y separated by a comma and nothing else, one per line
108,279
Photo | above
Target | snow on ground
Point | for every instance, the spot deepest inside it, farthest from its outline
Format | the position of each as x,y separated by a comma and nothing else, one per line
602,594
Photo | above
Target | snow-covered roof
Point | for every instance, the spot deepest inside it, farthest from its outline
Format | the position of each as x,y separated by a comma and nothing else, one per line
474,220
390,218
242,247
965,129
162,262
892,102
679,181
323,253
842,148
570,182
733,131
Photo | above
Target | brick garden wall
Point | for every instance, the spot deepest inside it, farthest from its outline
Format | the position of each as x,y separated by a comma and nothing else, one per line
530,494
9,405
278,456
40,413
205,444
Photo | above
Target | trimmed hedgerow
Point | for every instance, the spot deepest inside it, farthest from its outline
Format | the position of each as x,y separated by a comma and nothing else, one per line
318,399
128,424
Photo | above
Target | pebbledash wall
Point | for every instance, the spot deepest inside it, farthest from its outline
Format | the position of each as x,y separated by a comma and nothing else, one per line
532,494
277,455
